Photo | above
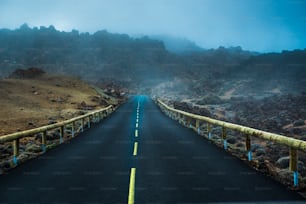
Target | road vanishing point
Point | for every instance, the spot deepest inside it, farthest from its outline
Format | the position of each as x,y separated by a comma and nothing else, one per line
139,155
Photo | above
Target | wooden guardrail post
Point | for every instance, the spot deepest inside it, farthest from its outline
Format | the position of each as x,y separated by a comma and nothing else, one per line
94,118
14,138
88,124
294,144
179,117
44,141
197,126
224,135
189,122
72,129
82,124
98,116
248,146
209,130
293,165
184,120
15,151
171,114
61,134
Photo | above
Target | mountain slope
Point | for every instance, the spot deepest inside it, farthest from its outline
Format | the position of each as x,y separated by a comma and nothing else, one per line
33,102
143,65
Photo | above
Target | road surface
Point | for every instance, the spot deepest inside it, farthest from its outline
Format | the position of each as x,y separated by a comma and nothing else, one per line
138,155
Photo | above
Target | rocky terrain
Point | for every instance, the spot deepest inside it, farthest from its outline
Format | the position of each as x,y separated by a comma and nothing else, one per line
260,90
32,98
281,114
148,66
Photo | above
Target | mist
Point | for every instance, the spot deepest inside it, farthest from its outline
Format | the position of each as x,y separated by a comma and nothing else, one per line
240,61
264,26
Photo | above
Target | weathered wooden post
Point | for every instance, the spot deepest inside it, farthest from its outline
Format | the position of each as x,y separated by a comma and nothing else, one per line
184,119
94,118
293,165
209,130
189,122
15,151
61,134
248,147
198,126
88,124
82,124
179,117
98,116
72,128
44,141
224,135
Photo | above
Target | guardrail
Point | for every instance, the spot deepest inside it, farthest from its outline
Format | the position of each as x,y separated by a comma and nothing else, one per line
94,116
293,144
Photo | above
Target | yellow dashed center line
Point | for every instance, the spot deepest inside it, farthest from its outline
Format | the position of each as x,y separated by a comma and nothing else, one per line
136,133
135,148
131,199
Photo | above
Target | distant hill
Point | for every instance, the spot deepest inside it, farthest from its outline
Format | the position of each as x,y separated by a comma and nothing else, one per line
177,45
145,64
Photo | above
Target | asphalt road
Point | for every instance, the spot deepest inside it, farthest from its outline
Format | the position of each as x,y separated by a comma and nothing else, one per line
138,155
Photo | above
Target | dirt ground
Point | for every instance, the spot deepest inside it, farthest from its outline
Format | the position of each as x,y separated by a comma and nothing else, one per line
30,103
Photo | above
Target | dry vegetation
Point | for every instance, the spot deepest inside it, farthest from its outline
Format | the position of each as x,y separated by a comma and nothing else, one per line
29,100
29,103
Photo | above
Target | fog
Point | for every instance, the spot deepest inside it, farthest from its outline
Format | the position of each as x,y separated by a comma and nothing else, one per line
264,25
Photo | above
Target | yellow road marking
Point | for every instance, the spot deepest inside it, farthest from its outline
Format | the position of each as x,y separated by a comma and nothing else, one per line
136,133
135,148
131,199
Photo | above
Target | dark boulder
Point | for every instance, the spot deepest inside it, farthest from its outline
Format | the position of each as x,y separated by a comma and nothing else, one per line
30,73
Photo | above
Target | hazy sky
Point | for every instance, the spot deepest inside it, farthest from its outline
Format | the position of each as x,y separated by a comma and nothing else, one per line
259,25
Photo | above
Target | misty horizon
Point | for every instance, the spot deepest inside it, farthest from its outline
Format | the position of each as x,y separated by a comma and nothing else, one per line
262,26
160,37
